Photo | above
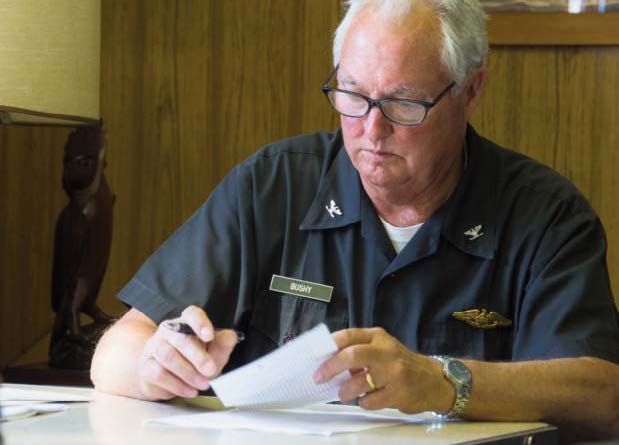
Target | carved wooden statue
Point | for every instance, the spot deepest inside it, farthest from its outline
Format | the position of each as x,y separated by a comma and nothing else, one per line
81,250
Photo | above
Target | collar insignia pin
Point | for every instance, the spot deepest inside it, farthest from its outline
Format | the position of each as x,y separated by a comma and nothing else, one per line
481,318
333,209
474,232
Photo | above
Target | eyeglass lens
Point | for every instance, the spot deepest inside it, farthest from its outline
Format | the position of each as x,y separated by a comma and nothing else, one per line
396,110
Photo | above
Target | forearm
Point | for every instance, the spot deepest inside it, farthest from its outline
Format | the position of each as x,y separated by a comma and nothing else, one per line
114,366
579,392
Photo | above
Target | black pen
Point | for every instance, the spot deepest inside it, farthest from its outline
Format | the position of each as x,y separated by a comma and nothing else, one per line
184,328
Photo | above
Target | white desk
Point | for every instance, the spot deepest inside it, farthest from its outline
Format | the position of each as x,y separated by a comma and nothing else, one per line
111,420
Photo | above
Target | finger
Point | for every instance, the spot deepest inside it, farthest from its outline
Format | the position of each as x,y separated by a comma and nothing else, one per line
221,347
162,382
355,386
352,357
194,351
199,322
379,399
353,336
151,392
172,360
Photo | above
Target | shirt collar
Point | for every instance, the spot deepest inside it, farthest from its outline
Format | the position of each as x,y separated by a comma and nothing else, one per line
338,201
471,210
466,220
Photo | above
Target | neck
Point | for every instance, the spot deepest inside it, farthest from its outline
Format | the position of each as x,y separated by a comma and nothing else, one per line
411,204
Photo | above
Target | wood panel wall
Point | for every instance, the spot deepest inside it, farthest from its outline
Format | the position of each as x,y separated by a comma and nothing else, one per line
192,87
31,199
560,105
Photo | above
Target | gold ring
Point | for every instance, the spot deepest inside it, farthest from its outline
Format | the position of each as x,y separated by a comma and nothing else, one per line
370,380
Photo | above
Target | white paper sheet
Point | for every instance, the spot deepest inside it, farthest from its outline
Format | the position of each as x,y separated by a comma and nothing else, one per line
322,420
15,411
14,392
18,401
283,378
274,421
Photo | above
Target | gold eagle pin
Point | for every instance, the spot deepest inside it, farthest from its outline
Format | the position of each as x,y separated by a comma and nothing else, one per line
481,318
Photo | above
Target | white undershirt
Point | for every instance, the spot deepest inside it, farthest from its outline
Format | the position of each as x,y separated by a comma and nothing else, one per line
400,236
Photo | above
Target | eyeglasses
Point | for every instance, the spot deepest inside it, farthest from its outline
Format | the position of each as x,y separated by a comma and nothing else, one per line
408,112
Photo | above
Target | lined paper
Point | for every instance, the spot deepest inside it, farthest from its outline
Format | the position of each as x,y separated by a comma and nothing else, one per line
283,378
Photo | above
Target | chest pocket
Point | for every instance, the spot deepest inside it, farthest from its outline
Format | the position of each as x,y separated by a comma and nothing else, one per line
281,317
460,340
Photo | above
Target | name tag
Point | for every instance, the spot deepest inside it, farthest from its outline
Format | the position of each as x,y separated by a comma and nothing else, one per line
301,288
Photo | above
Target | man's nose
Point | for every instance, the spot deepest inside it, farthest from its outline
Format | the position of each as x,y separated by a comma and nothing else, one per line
376,125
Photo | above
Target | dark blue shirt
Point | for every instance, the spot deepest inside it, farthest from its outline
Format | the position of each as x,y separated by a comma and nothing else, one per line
514,238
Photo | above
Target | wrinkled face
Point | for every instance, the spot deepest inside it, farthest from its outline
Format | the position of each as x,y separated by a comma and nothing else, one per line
388,60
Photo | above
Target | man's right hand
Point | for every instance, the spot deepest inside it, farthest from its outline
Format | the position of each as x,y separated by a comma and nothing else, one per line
174,364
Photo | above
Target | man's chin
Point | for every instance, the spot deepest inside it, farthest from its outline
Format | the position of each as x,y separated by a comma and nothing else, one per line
379,179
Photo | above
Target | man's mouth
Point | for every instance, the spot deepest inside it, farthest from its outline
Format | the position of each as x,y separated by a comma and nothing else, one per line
377,154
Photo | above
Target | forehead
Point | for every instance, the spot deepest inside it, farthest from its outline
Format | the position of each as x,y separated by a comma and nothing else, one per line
380,52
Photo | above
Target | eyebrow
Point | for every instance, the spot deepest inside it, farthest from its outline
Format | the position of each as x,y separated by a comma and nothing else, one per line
404,90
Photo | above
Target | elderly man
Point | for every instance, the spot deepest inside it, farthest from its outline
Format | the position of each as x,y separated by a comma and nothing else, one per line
436,243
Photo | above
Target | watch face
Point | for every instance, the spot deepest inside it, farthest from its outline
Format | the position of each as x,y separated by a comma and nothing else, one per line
459,371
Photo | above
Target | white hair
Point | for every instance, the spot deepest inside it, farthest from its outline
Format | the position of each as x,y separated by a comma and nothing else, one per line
463,24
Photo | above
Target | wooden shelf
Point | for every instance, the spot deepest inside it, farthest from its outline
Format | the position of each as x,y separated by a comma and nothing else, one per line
561,28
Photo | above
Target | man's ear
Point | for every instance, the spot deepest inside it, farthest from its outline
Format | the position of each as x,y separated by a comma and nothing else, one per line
474,89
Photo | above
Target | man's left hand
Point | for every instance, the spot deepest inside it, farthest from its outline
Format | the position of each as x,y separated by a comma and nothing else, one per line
404,380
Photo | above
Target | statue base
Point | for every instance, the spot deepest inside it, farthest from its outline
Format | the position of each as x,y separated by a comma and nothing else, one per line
71,352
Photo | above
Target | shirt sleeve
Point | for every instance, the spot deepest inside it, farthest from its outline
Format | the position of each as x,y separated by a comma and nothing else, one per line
207,262
568,308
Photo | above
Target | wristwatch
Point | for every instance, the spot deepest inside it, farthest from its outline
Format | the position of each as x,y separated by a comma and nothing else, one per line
461,378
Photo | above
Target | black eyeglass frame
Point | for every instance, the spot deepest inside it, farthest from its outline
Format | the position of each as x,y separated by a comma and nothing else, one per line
427,105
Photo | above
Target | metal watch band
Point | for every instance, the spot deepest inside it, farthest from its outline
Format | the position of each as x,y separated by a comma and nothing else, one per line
463,388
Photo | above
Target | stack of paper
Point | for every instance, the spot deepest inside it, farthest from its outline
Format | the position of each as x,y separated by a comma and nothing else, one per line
18,401
263,393
321,420
18,410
